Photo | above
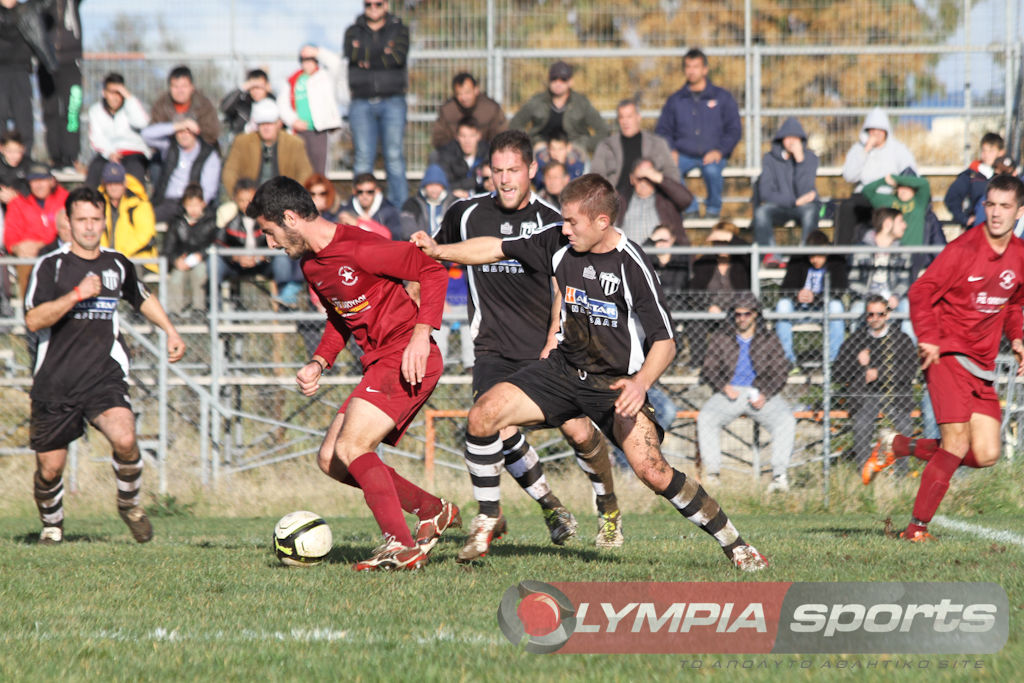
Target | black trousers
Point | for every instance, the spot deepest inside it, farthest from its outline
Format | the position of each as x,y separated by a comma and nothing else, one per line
16,105
61,93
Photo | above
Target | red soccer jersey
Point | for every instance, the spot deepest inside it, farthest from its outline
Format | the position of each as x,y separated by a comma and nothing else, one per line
358,277
969,296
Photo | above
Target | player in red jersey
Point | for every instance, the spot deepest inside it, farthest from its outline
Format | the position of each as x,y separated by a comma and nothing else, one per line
967,299
358,278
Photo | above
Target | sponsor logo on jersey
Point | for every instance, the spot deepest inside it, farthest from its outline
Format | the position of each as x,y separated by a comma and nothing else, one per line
506,228
575,296
348,275
610,283
506,266
990,304
111,279
527,228
593,307
1007,279
589,273
350,307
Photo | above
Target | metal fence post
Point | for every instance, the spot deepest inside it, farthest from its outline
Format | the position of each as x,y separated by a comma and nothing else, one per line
162,383
826,389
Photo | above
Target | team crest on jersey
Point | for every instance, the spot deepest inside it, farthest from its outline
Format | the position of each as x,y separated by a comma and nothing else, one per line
589,273
1007,278
506,228
610,283
111,280
527,228
347,275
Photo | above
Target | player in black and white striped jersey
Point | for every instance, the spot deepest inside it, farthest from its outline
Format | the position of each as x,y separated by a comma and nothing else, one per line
513,321
615,341
81,366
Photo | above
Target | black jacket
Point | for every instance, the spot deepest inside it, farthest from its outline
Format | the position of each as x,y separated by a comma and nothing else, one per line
835,265
377,59
182,238
453,163
28,18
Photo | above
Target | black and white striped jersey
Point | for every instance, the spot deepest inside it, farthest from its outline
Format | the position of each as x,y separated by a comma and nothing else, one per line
84,347
509,305
613,307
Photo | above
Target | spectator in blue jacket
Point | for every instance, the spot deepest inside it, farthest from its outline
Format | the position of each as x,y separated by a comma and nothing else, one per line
969,187
785,189
702,125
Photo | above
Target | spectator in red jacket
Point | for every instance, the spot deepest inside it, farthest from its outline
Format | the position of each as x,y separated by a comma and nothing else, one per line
31,221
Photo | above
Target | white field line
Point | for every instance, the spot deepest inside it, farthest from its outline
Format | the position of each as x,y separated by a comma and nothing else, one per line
998,535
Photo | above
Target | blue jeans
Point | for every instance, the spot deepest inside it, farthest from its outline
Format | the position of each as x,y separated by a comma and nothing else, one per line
767,216
784,327
712,175
381,118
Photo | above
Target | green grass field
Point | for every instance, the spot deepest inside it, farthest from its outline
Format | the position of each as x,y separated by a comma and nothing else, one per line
208,600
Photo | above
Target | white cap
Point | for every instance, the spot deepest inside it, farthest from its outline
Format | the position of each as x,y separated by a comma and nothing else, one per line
265,111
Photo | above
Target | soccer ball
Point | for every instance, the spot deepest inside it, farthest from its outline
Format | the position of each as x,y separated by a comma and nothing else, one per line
302,539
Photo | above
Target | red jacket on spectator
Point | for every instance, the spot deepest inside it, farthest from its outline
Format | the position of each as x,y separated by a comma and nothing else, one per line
25,219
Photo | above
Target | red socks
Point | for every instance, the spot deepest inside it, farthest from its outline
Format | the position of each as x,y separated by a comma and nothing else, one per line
922,449
374,478
934,484
412,498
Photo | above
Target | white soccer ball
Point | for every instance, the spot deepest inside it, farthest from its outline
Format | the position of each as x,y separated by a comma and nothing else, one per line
302,539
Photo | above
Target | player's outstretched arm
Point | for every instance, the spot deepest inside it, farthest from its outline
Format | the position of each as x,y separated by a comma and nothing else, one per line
156,314
472,252
633,390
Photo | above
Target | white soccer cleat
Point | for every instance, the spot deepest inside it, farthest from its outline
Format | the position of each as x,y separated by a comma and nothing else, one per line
392,556
483,530
51,535
428,531
747,559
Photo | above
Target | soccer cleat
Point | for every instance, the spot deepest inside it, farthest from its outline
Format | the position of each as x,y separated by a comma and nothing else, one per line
609,530
391,556
561,524
429,531
483,530
51,535
917,537
138,523
882,450
780,484
747,559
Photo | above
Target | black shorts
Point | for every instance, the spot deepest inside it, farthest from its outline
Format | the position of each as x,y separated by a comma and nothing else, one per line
490,370
55,424
562,392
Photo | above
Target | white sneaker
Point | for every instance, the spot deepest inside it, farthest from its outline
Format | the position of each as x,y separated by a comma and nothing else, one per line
51,535
780,484
747,559
482,531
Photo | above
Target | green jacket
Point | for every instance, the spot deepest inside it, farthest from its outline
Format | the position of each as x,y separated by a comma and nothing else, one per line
913,211
580,120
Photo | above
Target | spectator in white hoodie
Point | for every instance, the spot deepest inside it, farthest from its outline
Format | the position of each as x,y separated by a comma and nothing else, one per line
115,123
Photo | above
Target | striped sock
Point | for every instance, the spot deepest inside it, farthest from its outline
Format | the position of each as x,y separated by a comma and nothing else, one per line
484,461
374,479
694,503
129,482
49,497
523,464
592,457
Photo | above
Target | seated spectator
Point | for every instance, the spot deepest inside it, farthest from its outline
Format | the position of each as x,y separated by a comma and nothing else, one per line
616,154
267,153
238,231
314,99
237,104
560,149
186,159
673,269
321,189
466,101
555,180
189,234
369,210
655,200
486,177
182,99
804,281
30,224
913,197
882,272
715,279
130,225
746,370
877,365
115,123
785,191
13,169
460,160
969,186
425,209
875,155
559,106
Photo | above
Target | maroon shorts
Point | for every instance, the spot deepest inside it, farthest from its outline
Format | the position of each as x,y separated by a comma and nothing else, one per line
384,387
957,394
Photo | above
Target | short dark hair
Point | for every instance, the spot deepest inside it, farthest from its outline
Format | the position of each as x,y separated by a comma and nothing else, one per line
595,196
461,77
695,53
877,299
11,136
513,141
113,77
817,239
243,184
468,122
880,216
628,102
278,195
180,71
257,73
636,164
558,135
552,165
1007,183
994,140
364,178
193,191
85,195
